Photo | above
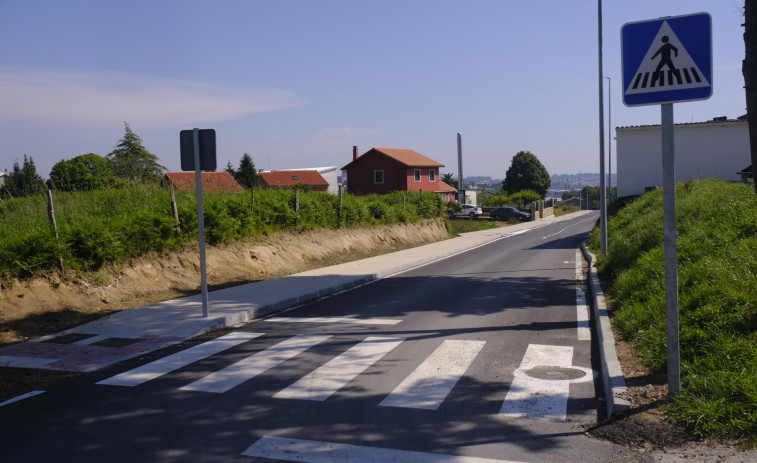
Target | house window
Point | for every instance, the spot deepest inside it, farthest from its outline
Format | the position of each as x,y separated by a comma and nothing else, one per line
432,175
417,175
378,176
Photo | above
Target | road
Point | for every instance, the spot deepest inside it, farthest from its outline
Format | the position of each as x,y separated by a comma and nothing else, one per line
480,357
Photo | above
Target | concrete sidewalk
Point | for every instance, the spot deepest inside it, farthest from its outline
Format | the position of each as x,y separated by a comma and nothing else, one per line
140,330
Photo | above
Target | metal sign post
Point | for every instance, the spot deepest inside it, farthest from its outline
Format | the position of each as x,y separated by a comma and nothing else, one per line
670,238
200,221
198,153
664,61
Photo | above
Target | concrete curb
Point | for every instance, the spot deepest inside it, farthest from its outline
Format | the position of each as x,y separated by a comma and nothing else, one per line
612,375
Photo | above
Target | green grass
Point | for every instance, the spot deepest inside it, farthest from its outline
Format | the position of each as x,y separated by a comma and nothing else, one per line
110,226
717,277
457,226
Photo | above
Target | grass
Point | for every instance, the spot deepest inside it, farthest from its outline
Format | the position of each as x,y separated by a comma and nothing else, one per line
717,279
111,226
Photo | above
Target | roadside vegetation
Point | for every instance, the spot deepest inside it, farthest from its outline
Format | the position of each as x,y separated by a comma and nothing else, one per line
717,278
111,225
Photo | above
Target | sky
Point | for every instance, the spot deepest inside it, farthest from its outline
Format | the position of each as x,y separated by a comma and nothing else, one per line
297,83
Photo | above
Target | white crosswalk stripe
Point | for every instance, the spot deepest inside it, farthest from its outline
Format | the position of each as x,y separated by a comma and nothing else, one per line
173,362
236,374
429,384
326,380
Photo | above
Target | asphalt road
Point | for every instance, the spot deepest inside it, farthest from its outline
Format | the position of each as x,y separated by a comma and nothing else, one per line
473,358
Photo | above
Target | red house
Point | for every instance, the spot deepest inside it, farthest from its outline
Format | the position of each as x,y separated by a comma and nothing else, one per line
383,170
283,179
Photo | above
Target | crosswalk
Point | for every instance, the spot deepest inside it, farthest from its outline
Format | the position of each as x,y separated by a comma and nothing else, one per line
426,387
675,77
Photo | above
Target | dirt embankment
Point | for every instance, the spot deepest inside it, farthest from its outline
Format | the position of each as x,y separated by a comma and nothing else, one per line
47,305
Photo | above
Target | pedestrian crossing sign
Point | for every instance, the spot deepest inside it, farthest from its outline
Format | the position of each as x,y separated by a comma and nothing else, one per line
667,60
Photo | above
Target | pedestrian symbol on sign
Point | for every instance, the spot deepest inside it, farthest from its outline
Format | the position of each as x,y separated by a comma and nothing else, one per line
666,66
664,53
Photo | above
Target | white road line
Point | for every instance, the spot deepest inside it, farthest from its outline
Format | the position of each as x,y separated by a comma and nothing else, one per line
537,398
180,359
367,321
288,449
582,309
332,376
21,397
236,374
429,384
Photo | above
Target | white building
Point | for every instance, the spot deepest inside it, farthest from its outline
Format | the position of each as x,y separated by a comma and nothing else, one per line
716,148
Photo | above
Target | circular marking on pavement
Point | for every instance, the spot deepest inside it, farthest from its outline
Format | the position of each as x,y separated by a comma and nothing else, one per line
555,373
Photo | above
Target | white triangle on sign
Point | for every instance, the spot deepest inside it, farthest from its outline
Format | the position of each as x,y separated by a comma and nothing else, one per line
666,66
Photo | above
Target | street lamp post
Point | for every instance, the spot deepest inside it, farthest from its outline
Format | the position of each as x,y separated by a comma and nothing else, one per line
609,137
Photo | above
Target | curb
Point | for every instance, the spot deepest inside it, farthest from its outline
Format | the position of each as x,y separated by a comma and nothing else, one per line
612,375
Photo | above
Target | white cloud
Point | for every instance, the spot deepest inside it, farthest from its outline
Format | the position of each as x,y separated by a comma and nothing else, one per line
347,132
102,98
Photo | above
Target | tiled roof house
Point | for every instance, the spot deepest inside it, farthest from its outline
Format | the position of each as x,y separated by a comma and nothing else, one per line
280,179
383,170
212,182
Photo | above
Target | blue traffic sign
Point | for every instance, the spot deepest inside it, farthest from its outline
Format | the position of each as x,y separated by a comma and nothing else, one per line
667,60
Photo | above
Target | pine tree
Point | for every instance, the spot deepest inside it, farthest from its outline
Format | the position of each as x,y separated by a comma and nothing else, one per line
131,161
246,175
230,169
23,180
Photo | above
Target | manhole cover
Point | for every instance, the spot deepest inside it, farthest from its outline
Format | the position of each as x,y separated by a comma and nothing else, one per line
555,373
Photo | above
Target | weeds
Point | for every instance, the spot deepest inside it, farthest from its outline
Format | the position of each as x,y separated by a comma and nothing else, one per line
111,226
717,273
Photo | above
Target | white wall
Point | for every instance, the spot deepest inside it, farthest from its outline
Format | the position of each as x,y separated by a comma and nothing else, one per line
702,150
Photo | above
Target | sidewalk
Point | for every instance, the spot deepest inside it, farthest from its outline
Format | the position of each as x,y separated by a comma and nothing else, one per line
140,330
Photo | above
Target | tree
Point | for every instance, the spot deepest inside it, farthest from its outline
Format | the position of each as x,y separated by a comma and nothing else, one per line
23,180
246,175
526,173
131,161
497,200
570,194
524,198
230,169
450,180
81,173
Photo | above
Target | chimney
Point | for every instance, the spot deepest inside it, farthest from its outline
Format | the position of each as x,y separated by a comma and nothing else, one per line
354,153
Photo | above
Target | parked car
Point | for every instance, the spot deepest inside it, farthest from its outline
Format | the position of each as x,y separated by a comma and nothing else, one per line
504,213
469,210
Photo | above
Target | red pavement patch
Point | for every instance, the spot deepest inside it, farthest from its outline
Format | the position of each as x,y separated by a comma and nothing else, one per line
79,358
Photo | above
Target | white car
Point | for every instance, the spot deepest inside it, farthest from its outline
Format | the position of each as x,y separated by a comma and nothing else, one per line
469,210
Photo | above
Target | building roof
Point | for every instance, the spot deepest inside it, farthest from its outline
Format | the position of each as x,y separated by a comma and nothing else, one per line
445,187
715,120
287,178
212,182
406,157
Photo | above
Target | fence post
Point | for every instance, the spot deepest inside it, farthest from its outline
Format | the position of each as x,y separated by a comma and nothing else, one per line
175,209
403,201
252,199
51,215
339,211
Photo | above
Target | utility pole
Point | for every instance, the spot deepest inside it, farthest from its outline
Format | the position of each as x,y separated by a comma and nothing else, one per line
602,195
